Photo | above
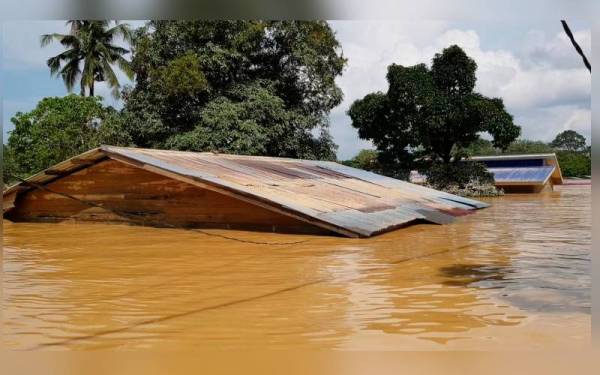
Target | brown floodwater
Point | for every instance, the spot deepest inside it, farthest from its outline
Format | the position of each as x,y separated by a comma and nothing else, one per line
515,275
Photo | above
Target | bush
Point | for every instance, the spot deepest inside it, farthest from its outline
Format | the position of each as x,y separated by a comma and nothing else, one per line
525,146
574,164
365,159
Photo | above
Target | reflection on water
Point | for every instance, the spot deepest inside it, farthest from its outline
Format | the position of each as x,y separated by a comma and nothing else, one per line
514,274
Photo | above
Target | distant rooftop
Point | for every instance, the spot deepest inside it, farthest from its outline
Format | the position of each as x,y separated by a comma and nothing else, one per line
523,170
516,156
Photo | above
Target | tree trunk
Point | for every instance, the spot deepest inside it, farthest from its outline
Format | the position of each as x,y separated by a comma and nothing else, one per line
92,89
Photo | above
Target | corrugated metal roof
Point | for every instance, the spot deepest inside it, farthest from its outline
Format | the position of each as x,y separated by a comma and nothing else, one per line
346,200
529,175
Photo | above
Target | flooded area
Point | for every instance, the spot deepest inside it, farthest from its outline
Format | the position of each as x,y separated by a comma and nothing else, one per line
512,276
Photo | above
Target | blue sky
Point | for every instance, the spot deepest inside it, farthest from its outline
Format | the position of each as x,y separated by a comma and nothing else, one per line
529,63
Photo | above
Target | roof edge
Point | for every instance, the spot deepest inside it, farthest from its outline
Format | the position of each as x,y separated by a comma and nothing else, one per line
551,155
68,166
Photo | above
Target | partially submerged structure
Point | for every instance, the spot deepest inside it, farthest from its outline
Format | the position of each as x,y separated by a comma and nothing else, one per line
190,189
531,173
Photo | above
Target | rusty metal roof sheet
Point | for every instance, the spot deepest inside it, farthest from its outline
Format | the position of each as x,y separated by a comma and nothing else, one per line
346,200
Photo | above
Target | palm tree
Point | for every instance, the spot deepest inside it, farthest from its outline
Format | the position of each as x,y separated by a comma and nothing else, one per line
90,54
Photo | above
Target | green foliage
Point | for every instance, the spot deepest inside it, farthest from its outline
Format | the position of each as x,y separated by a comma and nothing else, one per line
483,147
574,163
250,87
90,54
233,126
182,77
480,147
524,146
430,114
569,140
57,129
7,166
365,159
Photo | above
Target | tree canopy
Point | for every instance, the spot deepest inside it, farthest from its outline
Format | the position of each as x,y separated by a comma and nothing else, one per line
431,113
245,87
569,140
90,54
484,147
574,163
57,129
365,159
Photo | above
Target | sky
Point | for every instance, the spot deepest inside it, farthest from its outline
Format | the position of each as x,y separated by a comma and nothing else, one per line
530,64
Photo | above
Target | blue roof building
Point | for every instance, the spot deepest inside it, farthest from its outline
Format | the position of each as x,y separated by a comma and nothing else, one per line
531,173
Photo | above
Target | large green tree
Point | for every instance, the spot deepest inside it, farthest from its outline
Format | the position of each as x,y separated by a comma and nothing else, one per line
431,113
89,55
57,129
569,140
246,87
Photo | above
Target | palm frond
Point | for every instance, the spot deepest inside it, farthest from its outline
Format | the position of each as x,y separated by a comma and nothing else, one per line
116,50
88,72
69,74
111,79
75,25
54,65
70,41
55,62
125,66
101,50
46,39
121,29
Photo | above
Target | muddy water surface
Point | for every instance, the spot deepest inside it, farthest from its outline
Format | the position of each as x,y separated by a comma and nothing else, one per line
515,275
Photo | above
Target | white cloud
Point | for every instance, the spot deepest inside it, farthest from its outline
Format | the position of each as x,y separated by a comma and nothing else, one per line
546,87
580,120
21,43
539,83
545,123
556,51
502,74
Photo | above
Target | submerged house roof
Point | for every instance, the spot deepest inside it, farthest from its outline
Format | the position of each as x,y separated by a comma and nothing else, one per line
335,197
523,169
530,169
